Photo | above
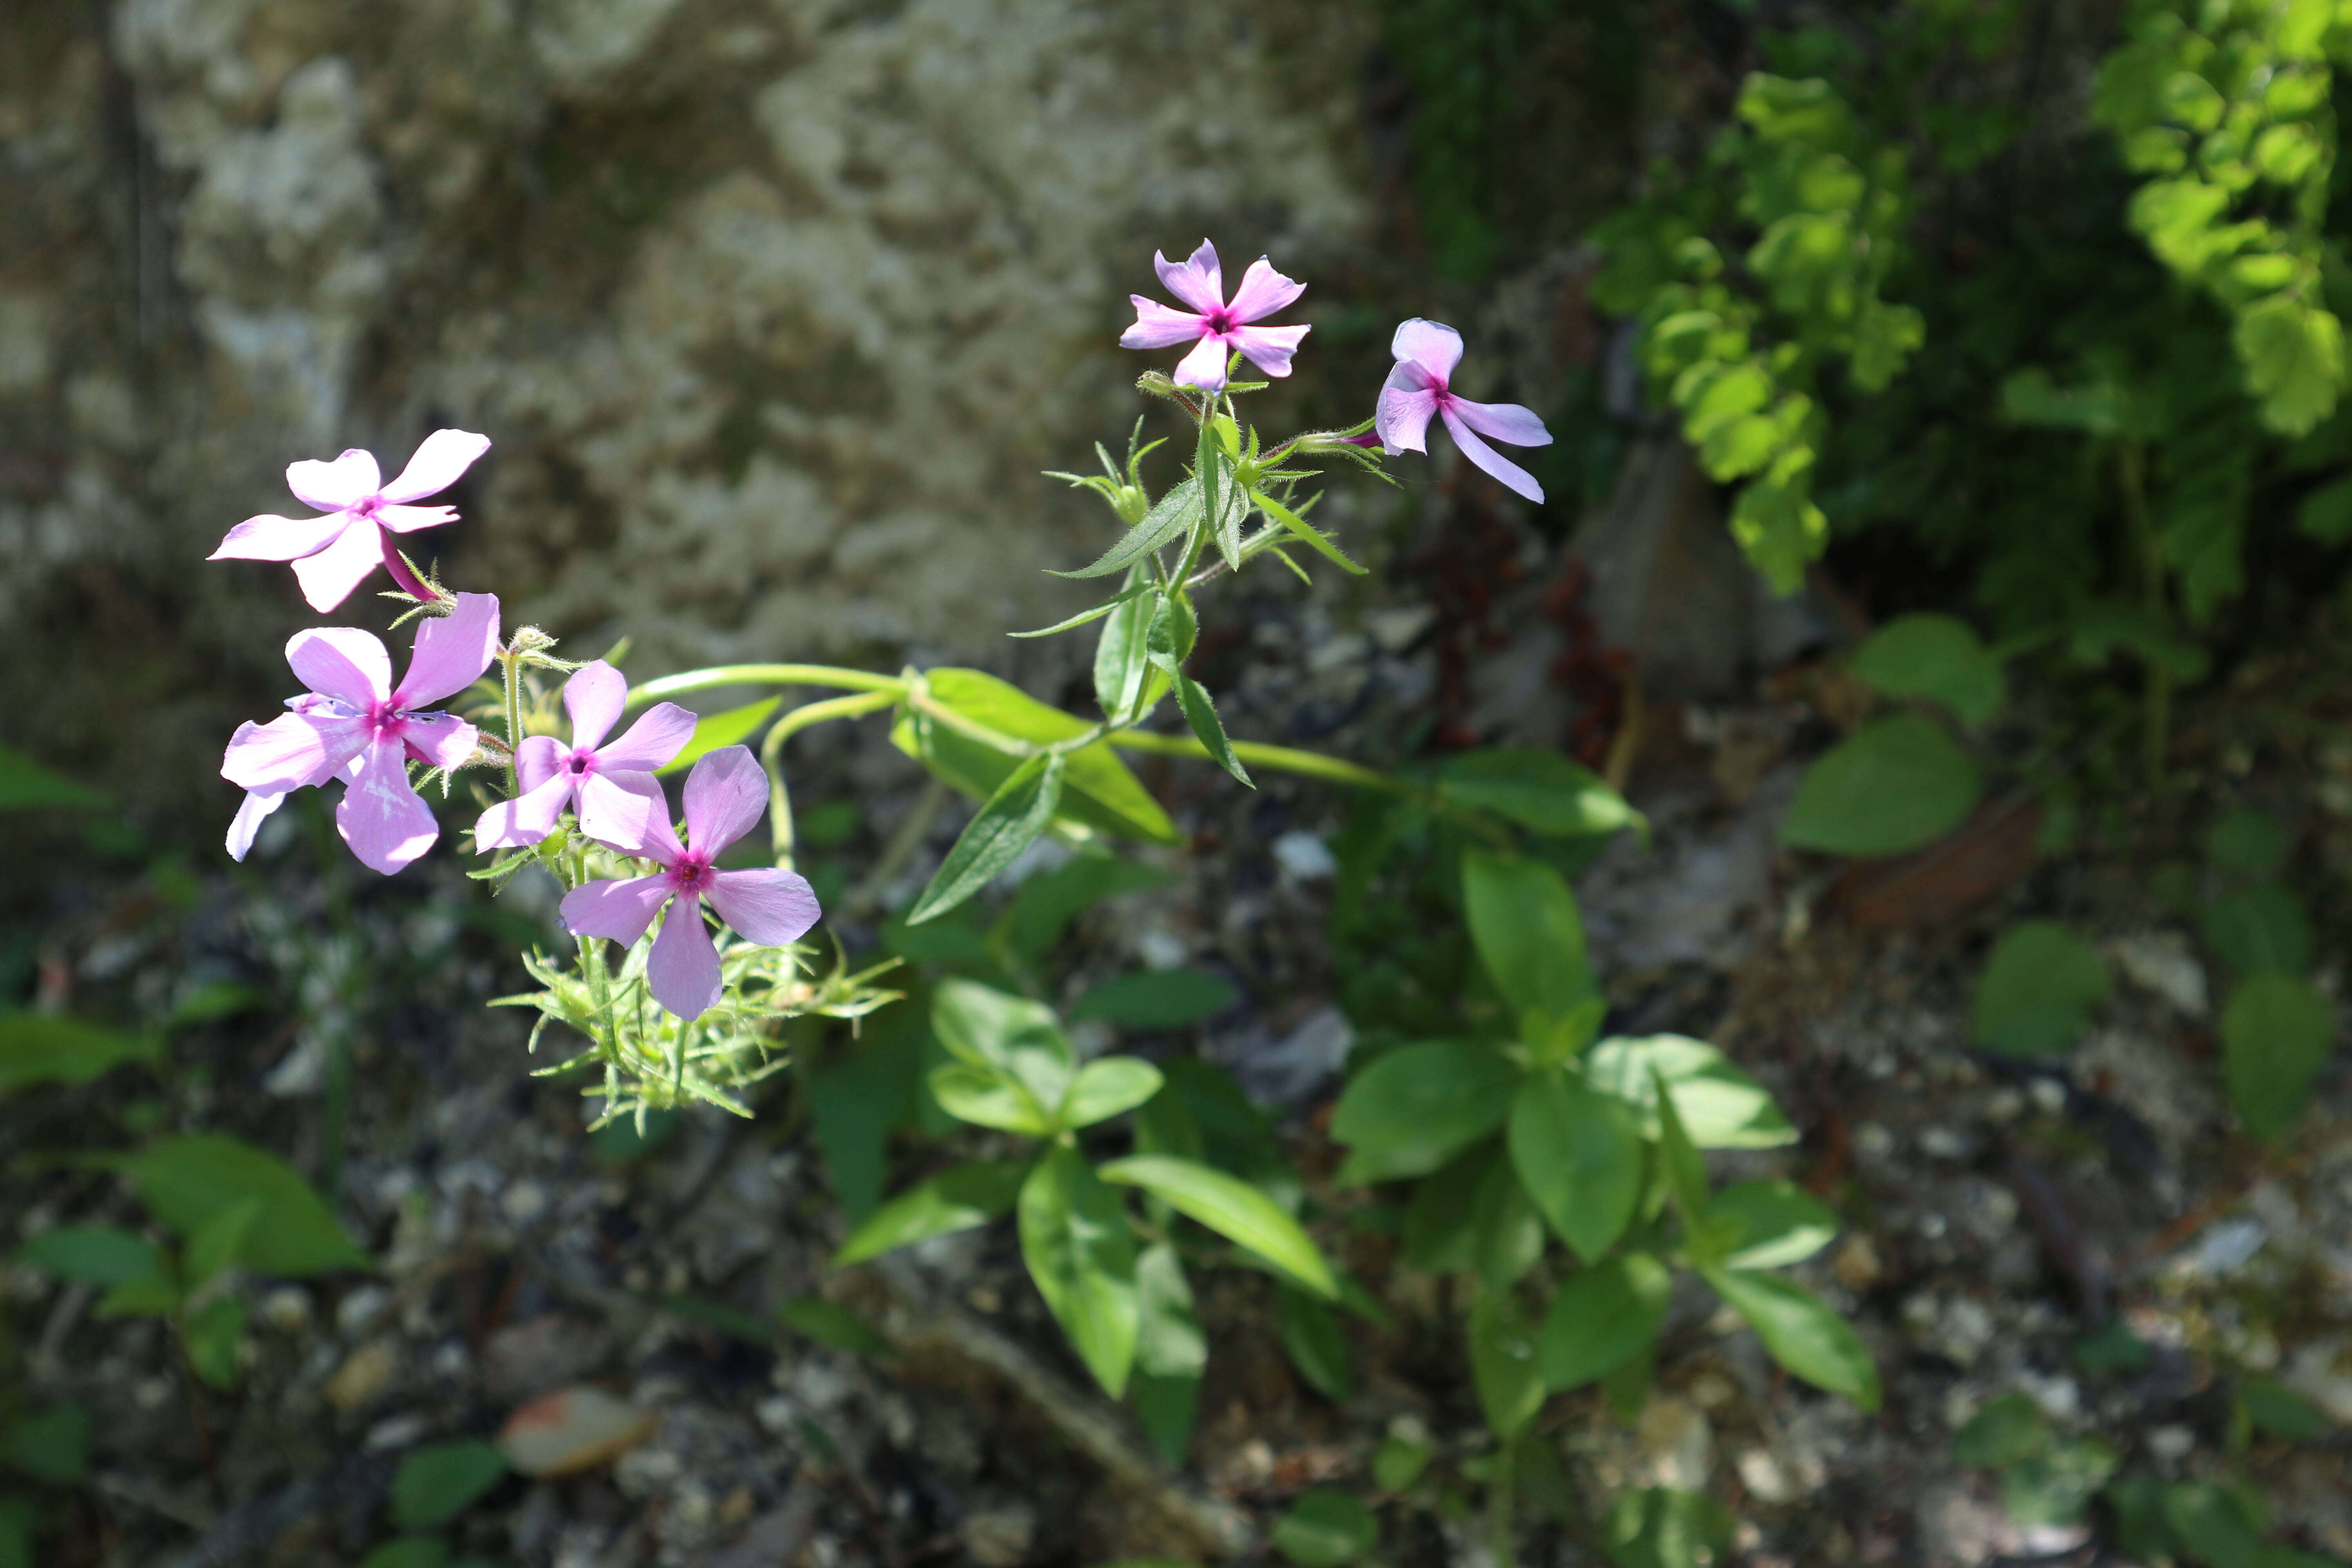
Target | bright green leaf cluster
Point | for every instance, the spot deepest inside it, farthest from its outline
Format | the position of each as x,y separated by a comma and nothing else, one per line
2226,107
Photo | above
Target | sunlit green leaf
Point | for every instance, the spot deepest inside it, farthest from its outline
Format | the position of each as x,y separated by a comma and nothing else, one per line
1074,1238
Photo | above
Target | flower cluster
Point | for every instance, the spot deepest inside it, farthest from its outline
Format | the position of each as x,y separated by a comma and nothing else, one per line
1426,353
581,805
356,726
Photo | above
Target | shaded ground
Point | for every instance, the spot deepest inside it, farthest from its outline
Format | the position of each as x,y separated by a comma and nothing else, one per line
1999,1215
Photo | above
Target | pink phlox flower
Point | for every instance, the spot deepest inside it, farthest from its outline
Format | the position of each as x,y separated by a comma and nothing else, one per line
334,553
1219,327
1426,353
362,728
725,795
610,786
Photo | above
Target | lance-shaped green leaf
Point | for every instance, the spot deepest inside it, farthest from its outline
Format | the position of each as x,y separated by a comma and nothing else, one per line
186,1181
1603,1319
1233,1209
1005,724
958,1198
1216,488
1579,1156
93,1255
1170,1351
1011,820
1006,1037
1122,659
1136,587
1306,532
1317,1348
1721,1107
1168,643
1541,791
1411,1111
1175,514
1108,1088
1074,1238
1502,1363
1506,1230
1685,1172
2276,1034
712,730
40,1048
218,1242
986,1099
1800,1331
1524,922
1767,1225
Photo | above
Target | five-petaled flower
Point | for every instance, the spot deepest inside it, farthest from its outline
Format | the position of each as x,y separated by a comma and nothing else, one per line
1220,328
334,553
610,786
725,795
1426,353
360,716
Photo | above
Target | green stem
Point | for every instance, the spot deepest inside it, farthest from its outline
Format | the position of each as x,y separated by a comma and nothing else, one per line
1284,759
1502,1505
772,753
2148,562
513,662
764,675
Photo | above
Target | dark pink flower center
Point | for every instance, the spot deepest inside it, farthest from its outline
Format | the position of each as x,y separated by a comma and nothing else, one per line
1220,323
580,761
385,722
692,874
366,507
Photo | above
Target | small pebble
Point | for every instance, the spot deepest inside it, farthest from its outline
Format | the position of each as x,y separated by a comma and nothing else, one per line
2171,1444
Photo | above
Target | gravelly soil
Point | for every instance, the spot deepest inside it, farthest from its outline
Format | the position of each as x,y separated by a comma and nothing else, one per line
1996,1212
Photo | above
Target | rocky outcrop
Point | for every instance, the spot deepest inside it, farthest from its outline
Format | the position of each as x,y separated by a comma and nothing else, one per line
774,308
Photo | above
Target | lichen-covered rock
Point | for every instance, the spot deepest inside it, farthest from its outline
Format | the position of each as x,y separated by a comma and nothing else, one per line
774,308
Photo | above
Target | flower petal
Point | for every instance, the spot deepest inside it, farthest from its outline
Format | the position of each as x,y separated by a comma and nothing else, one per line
1157,326
650,742
682,970
1502,422
725,795
617,910
1264,292
1204,367
269,538
342,662
442,740
524,820
329,576
331,487
1513,477
452,651
1199,282
409,518
256,809
1401,417
618,808
1269,347
382,817
593,697
771,908
657,840
291,751
539,759
440,461
1432,345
